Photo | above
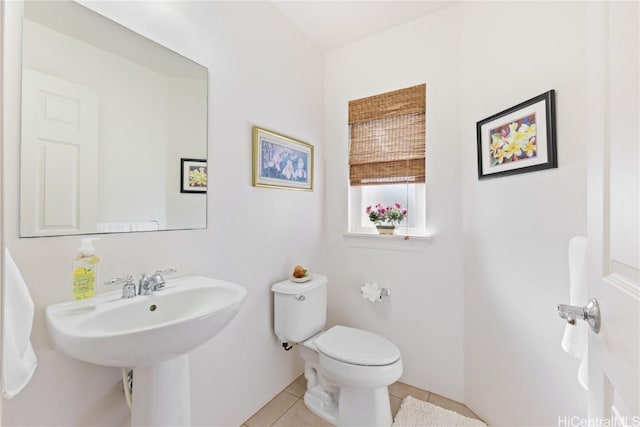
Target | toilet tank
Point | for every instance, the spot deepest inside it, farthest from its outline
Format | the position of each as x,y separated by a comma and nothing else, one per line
299,309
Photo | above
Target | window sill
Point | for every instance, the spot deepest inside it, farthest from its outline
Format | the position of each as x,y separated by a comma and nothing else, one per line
394,242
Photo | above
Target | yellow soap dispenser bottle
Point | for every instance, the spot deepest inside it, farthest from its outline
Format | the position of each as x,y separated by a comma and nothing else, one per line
85,270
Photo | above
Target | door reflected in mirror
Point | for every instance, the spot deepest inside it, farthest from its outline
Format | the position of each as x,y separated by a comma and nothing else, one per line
107,116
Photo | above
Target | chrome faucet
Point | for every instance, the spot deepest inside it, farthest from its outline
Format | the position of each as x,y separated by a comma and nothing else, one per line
147,285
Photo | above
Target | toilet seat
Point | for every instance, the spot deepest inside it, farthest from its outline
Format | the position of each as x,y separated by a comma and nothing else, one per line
357,347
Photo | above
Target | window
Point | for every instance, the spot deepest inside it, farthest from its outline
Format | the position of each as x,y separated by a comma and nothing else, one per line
387,156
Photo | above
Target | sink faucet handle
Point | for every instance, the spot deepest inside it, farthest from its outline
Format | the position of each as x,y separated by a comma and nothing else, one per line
128,289
157,282
118,280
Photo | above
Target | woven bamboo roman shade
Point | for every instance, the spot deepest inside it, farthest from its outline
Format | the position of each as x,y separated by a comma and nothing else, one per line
387,144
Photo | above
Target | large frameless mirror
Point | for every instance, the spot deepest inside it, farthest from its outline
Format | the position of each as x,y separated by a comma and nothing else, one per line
114,128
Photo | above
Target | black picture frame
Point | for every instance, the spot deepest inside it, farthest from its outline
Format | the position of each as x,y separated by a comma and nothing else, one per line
508,144
193,175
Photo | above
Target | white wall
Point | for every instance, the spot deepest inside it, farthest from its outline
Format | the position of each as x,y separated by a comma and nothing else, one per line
261,72
2,121
517,228
424,315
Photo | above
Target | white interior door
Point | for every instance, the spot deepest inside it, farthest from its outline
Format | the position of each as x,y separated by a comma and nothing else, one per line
614,211
59,156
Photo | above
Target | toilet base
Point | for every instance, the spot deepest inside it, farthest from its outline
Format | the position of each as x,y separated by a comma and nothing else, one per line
358,407
364,407
322,404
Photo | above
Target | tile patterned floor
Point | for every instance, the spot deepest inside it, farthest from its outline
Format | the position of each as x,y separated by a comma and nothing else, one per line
287,409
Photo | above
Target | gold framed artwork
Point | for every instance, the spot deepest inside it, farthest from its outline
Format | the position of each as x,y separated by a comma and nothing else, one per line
280,161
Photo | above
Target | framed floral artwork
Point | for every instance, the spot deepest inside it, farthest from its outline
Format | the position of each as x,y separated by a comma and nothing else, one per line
193,176
280,161
519,139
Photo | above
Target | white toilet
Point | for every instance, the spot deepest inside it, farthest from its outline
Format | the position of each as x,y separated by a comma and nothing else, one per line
347,369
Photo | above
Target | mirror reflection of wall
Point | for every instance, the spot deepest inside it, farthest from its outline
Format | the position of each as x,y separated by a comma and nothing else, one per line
107,116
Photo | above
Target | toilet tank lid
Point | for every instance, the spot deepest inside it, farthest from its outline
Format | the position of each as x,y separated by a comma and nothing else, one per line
357,347
293,288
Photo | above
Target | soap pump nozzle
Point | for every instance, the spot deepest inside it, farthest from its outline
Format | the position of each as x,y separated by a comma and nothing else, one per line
86,249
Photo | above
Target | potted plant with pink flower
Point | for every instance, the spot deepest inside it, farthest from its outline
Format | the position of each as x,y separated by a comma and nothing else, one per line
386,218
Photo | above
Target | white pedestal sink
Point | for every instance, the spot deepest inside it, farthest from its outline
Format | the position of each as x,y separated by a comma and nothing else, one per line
151,334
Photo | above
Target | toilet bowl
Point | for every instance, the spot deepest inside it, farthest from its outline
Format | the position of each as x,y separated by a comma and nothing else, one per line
348,370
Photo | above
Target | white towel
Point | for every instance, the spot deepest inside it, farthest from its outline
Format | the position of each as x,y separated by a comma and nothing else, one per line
19,361
574,340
